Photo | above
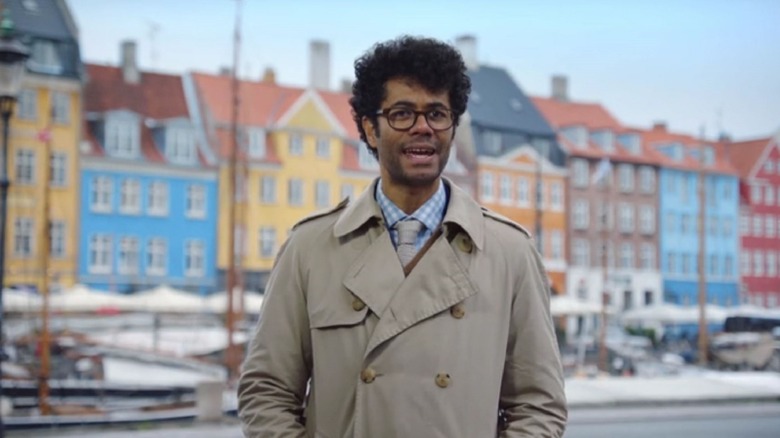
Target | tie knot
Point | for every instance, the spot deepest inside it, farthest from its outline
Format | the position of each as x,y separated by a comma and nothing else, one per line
408,231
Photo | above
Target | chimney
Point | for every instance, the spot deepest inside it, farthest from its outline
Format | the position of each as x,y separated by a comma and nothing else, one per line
225,71
269,76
346,86
130,71
560,88
659,126
467,45
319,64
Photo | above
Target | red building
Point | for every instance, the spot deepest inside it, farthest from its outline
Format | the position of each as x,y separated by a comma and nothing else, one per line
758,162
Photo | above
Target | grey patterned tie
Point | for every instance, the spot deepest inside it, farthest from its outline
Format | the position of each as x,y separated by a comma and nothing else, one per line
407,238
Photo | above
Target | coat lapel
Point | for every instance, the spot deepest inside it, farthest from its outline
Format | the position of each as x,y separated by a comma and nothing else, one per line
438,282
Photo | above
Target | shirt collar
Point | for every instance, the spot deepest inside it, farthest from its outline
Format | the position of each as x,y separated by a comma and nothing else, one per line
430,213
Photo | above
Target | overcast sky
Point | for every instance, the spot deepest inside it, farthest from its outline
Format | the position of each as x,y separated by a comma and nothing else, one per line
692,63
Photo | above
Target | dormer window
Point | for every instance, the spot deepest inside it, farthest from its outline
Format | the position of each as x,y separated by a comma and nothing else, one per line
122,137
631,142
492,142
578,135
677,152
605,139
44,57
709,156
180,145
256,143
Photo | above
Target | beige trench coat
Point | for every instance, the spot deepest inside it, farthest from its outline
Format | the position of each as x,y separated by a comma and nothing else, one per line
372,354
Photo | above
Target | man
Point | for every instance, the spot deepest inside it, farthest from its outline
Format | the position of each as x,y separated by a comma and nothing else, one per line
411,312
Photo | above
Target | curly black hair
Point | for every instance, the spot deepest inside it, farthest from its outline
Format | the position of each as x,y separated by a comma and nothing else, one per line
435,65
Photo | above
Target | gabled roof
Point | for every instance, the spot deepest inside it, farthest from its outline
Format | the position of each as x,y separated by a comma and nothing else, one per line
339,105
565,113
497,102
746,155
658,136
261,103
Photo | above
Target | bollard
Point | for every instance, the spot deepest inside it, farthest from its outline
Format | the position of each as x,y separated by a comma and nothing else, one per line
208,399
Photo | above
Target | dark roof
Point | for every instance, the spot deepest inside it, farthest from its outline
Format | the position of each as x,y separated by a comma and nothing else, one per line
498,103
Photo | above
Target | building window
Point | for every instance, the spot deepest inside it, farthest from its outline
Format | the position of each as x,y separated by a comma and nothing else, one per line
626,218
196,201
556,196
769,166
256,139
180,145
769,196
714,265
322,194
626,175
671,263
296,144
646,219
23,237
539,194
129,259
687,264
100,254
685,188
671,223
580,171
156,256
556,245
581,213
268,189
647,256
295,192
770,225
122,138
744,263
744,225
686,225
727,225
646,179
755,194
581,250
323,147
604,216
61,107
130,197
714,226
158,199
758,226
505,189
27,108
758,263
492,142
487,186
523,199
728,266
346,191
100,194
44,57
58,169
25,166
626,256
57,234
194,258
267,241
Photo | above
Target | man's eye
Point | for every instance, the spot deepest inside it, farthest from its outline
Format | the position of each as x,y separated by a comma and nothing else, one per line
437,115
400,114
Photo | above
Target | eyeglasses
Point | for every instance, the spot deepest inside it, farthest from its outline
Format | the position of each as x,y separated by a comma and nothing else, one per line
402,119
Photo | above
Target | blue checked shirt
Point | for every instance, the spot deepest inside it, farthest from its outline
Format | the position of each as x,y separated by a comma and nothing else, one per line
430,214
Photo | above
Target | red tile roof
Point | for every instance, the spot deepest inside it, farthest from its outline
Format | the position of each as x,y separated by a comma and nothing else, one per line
339,105
659,135
745,154
591,115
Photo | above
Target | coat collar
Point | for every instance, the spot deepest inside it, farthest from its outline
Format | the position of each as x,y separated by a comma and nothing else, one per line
462,211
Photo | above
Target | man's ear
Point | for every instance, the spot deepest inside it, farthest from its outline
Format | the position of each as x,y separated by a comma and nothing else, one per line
369,127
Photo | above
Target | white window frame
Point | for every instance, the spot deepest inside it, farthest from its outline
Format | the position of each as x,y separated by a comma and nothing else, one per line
27,107
626,177
744,224
556,245
744,263
130,196
322,194
296,144
60,102
758,264
24,237
295,192
646,179
129,255
627,220
122,138
59,239
647,219
581,214
627,257
267,244
58,169
158,203
581,252
647,256
156,256
323,147
268,189
556,196
180,145
581,172
755,193
758,226
100,254
505,189
194,258
195,207
25,166
256,137
728,266
101,194
769,222
486,187
523,194
769,195
771,264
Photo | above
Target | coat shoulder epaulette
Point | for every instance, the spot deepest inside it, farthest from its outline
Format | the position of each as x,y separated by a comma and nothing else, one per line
322,213
505,220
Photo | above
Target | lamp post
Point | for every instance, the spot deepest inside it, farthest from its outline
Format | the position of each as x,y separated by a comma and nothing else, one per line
12,67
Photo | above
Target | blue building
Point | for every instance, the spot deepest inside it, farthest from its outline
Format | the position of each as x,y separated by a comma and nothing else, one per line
680,213
148,194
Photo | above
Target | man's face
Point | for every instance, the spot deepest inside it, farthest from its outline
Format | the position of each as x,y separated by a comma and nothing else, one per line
415,157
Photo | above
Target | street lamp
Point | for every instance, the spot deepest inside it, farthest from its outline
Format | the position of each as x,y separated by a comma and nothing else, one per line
12,66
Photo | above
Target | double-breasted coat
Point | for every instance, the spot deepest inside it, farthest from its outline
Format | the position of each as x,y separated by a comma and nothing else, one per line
348,346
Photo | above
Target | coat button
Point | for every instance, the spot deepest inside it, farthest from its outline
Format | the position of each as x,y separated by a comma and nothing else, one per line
458,311
442,380
368,375
358,304
465,244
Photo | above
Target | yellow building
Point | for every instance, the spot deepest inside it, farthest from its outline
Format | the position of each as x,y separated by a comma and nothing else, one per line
46,123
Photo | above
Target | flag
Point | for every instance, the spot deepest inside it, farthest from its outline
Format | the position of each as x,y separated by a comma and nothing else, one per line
602,170
44,135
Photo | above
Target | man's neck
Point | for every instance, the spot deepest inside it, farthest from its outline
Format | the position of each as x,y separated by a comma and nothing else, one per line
409,199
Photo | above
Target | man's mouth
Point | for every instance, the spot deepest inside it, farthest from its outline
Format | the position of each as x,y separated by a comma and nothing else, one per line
419,152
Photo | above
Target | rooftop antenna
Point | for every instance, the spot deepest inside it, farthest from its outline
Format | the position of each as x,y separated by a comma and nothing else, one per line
152,31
